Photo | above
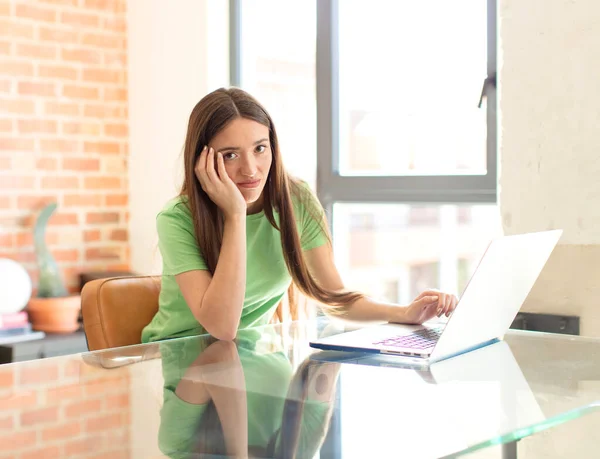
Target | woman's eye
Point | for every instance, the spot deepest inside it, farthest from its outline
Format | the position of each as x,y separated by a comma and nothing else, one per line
261,149
228,156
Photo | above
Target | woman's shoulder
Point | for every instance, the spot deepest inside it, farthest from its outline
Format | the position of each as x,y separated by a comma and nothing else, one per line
301,191
303,197
175,207
174,217
299,187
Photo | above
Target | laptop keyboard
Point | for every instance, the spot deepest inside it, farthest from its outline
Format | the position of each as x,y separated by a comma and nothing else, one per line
419,339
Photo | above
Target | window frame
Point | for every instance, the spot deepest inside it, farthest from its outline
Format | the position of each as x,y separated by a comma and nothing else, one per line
332,187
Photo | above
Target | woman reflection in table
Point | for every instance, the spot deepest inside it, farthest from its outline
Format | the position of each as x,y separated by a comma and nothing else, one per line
226,399
242,231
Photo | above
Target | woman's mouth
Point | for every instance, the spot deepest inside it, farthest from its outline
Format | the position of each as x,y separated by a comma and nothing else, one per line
252,184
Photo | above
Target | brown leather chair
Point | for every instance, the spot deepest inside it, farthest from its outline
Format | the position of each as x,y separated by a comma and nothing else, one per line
115,310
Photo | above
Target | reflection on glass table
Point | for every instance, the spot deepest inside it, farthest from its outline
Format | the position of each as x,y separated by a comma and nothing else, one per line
268,394
226,399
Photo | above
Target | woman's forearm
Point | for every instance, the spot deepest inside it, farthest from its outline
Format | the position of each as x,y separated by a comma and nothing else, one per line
366,309
232,408
217,374
227,389
223,301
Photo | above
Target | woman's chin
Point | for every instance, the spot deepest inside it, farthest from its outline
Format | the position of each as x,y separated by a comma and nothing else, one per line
251,196
253,201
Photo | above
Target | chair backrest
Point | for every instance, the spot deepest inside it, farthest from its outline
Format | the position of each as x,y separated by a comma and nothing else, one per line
115,310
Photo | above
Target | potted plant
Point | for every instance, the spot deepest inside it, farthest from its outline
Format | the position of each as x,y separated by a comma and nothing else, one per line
54,310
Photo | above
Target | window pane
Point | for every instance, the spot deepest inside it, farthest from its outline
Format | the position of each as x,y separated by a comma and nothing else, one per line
410,79
395,251
278,68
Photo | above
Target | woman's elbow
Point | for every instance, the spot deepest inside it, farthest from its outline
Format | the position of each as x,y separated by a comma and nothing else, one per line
224,334
218,329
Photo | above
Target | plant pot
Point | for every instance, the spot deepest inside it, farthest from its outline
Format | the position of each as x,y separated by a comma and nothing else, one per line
55,315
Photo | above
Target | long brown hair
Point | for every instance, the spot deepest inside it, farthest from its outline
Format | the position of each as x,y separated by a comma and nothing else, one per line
208,118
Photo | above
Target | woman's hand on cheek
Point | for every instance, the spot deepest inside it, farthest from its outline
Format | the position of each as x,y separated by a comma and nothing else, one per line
217,184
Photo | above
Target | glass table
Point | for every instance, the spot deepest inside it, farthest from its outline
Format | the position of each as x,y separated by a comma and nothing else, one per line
268,394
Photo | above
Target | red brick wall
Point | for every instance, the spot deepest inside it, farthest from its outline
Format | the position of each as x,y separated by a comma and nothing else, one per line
64,408
64,131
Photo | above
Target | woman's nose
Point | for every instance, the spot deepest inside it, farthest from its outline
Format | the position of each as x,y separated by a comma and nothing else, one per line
248,167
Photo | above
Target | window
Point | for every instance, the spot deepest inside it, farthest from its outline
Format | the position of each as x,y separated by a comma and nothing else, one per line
398,85
406,159
277,65
394,259
409,86
403,147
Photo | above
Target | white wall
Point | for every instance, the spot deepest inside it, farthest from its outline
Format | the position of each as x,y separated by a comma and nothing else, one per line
550,110
550,169
171,67
550,144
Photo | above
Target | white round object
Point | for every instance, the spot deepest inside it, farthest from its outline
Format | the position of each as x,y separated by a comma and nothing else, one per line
15,286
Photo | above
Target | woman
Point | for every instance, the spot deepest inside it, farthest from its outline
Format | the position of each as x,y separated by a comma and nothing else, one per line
241,230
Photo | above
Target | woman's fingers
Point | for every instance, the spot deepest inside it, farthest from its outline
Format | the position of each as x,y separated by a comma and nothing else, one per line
440,306
221,169
201,161
447,304
428,307
431,303
453,304
441,309
210,167
200,168
430,311
427,301
427,292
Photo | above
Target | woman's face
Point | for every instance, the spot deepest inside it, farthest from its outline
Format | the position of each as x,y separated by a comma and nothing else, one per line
247,156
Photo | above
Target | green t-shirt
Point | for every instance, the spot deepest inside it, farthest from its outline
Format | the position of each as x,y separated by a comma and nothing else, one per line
267,277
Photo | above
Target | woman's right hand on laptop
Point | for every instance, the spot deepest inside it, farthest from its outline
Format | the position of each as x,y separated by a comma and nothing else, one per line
426,306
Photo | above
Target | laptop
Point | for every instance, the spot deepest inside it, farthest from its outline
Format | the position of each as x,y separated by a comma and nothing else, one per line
493,296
